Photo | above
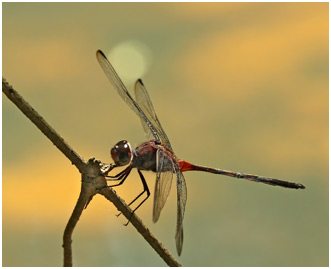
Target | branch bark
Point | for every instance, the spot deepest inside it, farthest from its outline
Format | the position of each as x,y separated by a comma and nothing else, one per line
93,182
83,199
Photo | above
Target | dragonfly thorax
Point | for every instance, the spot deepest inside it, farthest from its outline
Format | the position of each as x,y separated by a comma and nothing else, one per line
121,153
147,155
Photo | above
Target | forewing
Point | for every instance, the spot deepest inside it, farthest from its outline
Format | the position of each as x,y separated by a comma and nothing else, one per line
162,183
181,203
145,103
123,92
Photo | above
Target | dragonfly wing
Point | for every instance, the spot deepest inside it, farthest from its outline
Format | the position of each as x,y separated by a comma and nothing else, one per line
162,183
181,203
123,92
145,103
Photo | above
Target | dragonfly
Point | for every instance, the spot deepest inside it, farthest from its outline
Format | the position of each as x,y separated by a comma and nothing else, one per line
158,156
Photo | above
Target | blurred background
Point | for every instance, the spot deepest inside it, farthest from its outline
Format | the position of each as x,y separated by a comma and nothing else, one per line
237,86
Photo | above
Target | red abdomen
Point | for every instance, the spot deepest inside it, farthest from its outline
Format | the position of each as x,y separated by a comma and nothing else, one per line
185,166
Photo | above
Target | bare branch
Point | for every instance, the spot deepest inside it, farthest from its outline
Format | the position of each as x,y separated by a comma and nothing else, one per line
93,182
83,199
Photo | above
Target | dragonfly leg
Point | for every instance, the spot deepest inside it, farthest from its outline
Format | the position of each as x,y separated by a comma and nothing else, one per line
116,176
122,176
146,189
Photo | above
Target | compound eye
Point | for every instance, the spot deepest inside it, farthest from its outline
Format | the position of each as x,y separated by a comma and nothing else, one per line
121,153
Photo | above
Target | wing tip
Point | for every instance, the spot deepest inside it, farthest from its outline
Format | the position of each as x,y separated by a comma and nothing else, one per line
99,52
179,241
155,216
140,81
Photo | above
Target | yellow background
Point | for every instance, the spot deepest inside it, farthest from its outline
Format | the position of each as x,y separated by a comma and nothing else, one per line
238,86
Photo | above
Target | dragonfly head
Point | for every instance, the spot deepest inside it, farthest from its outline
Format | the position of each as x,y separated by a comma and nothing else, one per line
121,153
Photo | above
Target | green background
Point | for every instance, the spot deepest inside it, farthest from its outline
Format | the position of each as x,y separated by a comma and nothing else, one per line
238,86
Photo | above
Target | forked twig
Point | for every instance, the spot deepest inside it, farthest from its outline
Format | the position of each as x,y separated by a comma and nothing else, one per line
83,199
93,182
